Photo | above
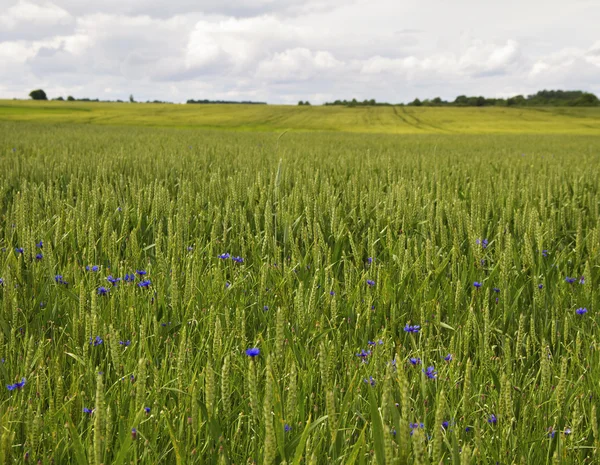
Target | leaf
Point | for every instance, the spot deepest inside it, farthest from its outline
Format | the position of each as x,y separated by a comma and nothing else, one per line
78,449
356,449
377,428
301,444
174,441
76,357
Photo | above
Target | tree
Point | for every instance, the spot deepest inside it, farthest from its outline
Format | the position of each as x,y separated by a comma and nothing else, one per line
38,94
70,98
300,102
131,99
586,99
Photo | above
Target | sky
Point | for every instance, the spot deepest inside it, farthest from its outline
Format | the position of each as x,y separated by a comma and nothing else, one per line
283,51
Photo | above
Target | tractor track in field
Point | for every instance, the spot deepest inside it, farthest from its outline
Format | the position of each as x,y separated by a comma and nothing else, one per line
418,123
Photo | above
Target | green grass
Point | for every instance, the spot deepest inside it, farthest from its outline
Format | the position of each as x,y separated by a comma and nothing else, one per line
306,211
385,120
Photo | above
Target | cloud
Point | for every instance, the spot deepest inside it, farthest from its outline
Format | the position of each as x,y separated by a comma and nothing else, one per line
169,8
25,20
297,64
478,60
290,50
569,67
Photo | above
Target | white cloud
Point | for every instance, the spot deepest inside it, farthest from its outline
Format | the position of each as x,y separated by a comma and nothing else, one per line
289,50
28,20
297,64
479,58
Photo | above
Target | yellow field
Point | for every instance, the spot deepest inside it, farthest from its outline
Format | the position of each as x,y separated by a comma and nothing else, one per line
390,120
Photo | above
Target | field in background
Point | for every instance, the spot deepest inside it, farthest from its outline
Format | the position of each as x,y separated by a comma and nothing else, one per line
386,120
429,298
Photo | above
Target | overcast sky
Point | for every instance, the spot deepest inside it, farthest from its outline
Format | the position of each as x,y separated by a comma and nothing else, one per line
282,51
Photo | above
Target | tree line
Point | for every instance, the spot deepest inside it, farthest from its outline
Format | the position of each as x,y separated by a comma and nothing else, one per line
206,101
541,98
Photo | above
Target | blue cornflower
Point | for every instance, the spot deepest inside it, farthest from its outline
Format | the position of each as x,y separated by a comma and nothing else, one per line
445,424
415,360
147,409
370,381
570,280
238,259
581,311
89,411
412,329
102,290
551,432
448,358
141,272
567,431
430,372
496,290
287,428
370,282
224,256
40,244
1,282
483,243
125,343
468,429
19,250
190,248
113,281
582,280
364,354
129,278
144,283
540,286
370,260
93,268
253,352
371,343
133,433
265,308
331,292
492,420
380,342
17,386
477,284
414,426
227,284
39,256
96,341
544,253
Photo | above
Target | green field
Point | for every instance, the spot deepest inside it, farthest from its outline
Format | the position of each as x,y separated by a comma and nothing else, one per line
384,120
416,298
